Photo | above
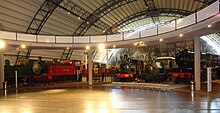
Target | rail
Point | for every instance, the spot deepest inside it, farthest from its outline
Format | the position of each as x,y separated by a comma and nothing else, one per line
63,41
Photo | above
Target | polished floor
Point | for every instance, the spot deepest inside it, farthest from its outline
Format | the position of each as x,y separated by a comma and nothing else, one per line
102,99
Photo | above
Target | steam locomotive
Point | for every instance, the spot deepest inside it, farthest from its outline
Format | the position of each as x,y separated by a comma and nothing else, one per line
38,71
180,68
185,61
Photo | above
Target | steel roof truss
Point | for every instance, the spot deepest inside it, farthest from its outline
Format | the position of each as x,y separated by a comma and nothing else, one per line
94,18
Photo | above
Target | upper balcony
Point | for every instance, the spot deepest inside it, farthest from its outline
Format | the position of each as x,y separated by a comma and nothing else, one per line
203,22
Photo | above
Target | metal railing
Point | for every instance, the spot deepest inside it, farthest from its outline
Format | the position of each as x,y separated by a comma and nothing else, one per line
202,15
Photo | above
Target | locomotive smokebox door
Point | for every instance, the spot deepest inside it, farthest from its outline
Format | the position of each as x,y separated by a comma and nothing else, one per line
36,67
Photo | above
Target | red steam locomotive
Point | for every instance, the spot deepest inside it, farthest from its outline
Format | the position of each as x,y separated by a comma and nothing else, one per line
38,71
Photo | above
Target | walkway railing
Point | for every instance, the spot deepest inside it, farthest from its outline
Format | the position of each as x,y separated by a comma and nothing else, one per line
204,14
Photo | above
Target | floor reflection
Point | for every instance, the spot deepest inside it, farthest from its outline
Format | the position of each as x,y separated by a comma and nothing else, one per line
105,100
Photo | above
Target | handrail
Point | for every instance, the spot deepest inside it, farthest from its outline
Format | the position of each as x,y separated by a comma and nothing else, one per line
195,18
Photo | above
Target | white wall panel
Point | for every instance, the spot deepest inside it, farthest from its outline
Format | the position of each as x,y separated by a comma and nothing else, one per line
26,37
64,39
131,35
47,39
116,37
166,28
81,39
208,11
7,35
149,32
98,38
189,20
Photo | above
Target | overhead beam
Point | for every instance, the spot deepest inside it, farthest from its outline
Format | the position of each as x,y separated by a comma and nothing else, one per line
94,18
207,2
79,12
26,55
42,16
38,21
145,14
67,53
150,5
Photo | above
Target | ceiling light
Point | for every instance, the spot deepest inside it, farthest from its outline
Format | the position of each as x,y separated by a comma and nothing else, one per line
2,44
114,46
161,40
23,46
209,25
87,22
79,18
103,31
68,12
101,46
67,48
181,35
87,47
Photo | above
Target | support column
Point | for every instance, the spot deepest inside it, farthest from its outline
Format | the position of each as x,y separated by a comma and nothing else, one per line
90,66
86,60
197,67
2,77
106,58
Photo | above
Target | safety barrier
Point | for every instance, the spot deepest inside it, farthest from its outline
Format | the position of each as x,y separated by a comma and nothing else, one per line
147,86
204,14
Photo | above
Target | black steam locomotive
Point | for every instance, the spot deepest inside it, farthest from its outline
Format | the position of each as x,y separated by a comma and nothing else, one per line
185,71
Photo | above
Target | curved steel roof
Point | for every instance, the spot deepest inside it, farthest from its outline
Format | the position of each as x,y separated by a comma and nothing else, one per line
86,17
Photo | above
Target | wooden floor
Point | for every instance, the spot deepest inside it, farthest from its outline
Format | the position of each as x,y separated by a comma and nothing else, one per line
104,99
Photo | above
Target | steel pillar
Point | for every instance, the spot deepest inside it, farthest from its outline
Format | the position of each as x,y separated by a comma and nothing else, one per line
2,77
197,66
106,58
90,66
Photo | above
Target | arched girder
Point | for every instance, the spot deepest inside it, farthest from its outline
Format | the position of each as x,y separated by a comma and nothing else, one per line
74,9
207,2
150,5
37,23
94,18
42,16
147,13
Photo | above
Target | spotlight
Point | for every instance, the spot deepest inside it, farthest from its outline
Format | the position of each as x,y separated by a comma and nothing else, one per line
101,46
2,44
23,46
87,47
181,35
